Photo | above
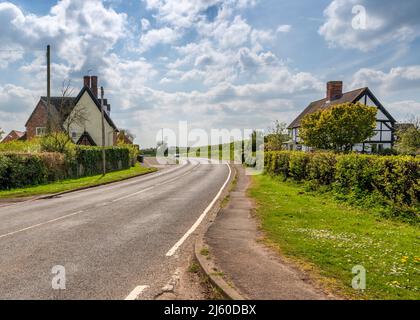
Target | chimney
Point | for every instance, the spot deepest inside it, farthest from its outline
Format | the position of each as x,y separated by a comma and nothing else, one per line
86,81
334,90
108,108
94,85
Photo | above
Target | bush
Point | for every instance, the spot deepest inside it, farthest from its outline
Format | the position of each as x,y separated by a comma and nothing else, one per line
321,168
394,180
31,146
58,142
23,169
88,160
19,169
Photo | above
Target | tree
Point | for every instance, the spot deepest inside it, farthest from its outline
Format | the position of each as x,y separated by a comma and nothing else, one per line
58,138
408,137
277,136
339,127
1,133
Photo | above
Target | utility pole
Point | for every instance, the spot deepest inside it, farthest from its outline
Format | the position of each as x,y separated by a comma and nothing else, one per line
103,132
48,89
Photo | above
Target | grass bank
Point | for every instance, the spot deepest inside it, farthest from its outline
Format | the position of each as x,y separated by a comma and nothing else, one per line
72,184
328,239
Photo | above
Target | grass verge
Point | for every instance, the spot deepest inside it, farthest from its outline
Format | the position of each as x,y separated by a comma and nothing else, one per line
330,238
72,184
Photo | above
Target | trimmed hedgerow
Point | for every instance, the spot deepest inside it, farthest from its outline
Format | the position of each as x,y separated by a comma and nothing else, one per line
88,160
18,169
23,169
396,179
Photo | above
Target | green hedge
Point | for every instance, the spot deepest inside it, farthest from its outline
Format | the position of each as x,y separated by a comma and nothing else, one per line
23,169
88,160
19,169
395,178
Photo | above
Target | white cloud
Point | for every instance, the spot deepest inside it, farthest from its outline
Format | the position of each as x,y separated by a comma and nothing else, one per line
284,28
145,24
386,21
80,32
397,79
154,37
404,110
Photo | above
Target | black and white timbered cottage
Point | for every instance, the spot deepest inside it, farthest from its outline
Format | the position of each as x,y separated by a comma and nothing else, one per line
384,132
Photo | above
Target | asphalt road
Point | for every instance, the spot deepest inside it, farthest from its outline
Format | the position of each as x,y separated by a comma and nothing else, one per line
110,239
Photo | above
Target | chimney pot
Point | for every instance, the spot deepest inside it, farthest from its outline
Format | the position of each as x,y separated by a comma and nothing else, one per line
86,81
94,85
334,90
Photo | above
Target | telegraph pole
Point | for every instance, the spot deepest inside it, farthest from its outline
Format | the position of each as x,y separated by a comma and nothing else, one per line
103,132
48,89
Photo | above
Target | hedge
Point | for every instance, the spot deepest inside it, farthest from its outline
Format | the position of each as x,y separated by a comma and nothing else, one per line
23,169
19,169
396,178
88,160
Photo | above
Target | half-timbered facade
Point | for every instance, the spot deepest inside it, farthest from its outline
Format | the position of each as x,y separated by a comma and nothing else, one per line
384,131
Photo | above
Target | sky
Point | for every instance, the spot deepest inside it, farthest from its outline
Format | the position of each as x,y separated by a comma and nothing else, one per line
220,64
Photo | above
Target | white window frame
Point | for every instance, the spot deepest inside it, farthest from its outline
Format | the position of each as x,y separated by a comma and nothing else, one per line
42,133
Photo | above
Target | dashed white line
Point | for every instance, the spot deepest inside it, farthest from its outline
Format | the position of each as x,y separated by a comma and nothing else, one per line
133,194
136,292
40,224
172,251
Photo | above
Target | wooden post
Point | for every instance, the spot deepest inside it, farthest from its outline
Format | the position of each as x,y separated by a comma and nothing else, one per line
48,89
103,132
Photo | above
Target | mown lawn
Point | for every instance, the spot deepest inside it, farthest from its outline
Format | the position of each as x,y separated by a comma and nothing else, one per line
71,184
328,238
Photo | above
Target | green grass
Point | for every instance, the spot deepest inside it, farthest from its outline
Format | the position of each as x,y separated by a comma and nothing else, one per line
328,238
71,184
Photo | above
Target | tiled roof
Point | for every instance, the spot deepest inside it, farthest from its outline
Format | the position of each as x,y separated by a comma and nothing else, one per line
315,106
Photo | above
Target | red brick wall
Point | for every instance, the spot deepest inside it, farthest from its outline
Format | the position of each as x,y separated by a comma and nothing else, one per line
38,119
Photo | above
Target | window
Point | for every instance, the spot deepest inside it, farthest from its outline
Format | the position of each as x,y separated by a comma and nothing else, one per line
380,148
40,131
73,135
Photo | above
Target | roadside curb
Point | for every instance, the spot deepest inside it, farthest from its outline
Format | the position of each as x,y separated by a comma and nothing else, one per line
207,265
53,195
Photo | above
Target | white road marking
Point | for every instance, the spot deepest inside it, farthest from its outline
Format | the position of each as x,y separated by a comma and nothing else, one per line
40,224
133,194
136,292
172,251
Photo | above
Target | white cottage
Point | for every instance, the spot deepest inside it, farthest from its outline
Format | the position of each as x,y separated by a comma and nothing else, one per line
88,129
384,132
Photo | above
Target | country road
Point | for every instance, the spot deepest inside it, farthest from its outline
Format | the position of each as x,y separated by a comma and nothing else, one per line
116,241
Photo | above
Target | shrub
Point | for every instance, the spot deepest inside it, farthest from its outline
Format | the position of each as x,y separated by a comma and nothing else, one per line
298,165
23,169
58,142
88,160
373,179
321,168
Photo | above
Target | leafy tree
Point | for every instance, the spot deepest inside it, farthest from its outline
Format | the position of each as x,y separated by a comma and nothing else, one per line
277,136
1,133
338,127
408,138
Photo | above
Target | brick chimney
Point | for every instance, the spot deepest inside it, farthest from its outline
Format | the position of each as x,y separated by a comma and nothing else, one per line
86,81
94,85
334,90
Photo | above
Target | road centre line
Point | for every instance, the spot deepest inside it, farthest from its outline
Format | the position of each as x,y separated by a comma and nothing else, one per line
172,251
40,224
81,211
